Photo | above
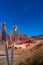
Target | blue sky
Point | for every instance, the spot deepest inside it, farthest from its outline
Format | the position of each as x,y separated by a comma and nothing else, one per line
26,14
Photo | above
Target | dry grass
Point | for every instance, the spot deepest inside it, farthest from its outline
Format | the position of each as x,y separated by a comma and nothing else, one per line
26,57
30,57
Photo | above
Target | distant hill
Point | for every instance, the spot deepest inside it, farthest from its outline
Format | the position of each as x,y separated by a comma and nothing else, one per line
38,37
25,37
21,37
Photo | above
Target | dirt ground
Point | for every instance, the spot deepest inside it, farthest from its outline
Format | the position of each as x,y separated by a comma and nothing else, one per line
22,54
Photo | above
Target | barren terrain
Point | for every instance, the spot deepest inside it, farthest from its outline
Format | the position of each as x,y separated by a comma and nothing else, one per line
24,56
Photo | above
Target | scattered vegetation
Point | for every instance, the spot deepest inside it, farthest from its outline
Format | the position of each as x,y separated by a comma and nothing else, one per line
35,59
